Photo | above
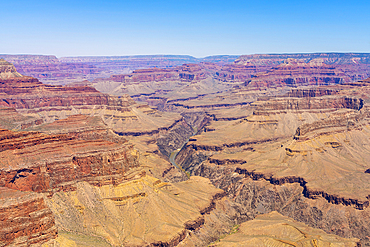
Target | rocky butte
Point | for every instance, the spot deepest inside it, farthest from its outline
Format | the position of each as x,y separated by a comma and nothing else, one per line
267,150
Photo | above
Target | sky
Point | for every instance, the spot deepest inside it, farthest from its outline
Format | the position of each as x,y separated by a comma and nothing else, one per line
196,28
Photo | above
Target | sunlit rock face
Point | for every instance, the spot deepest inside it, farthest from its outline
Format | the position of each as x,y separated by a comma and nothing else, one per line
105,170
25,219
7,70
273,229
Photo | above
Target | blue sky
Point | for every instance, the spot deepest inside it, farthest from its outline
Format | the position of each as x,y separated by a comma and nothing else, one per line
197,28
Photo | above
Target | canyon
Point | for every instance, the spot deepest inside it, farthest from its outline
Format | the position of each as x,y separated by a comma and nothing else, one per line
256,150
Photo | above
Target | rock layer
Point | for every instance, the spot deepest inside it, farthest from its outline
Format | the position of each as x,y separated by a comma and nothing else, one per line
142,212
25,219
273,229
31,161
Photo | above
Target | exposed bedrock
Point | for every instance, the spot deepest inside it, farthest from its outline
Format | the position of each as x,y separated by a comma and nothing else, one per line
175,138
336,124
80,127
38,162
141,212
274,229
326,58
254,195
238,73
25,219
312,92
185,72
306,103
151,132
23,92
29,93
293,72
246,171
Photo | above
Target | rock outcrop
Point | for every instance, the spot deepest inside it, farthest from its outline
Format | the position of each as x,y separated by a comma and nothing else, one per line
326,58
142,212
65,70
308,145
25,219
31,161
107,165
273,229
7,70
47,103
298,73
239,73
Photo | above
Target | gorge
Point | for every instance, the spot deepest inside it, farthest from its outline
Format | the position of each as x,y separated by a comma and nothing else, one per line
269,150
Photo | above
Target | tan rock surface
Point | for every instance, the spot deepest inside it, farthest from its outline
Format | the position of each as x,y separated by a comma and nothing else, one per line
139,212
7,70
273,229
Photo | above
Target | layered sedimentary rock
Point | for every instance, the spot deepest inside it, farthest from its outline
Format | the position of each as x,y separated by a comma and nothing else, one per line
147,82
25,219
293,72
142,212
51,70
304,103
47,103
355,65
101,160
172,88
327,58
238,72
186,72
31,161
309,146
11,119
273,229
7,70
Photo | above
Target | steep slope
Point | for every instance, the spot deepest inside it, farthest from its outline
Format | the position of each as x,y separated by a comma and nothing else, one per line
25,219
65,70
303,151
32,161
141,212
48,103
273,229
7,70
294,72
327,58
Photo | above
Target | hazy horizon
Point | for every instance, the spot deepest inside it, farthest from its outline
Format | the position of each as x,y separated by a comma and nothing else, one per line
184,55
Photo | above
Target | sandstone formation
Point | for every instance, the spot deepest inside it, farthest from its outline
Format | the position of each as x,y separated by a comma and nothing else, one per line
7,70
65,70
47,103
142,212
273,229
302,153
197,85
31,161
49,69
156,83
285,135
238,72
354,65
294,72
327,58
25,219
66,150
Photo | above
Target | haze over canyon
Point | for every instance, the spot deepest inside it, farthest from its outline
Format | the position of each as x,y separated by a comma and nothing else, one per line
172,150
